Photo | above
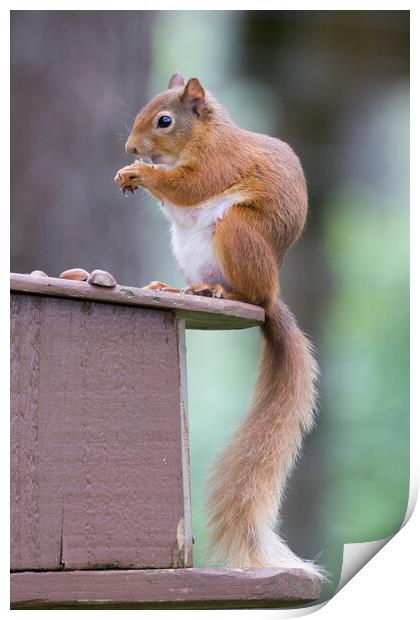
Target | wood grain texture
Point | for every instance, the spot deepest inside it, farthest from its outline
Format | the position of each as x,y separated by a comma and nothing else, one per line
97,440
185,531
194,587
198,312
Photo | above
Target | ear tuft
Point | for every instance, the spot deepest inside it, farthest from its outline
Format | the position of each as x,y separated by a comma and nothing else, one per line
176,81
194,91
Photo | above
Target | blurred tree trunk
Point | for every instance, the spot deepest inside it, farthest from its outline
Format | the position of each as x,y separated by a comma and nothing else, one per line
77,80
322,68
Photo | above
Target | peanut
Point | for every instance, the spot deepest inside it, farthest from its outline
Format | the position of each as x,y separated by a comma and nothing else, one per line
38,274
75,274
102,278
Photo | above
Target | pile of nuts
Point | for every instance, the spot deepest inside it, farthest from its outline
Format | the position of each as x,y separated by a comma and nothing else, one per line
97,276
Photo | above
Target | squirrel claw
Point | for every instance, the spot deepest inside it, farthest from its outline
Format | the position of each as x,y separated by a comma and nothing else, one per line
128,188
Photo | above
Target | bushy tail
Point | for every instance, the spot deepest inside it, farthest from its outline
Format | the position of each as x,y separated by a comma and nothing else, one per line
248,479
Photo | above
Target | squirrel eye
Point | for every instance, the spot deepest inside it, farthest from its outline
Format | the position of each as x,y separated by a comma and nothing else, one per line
164,121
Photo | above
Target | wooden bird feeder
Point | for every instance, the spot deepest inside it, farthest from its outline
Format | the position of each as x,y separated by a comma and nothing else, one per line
100,488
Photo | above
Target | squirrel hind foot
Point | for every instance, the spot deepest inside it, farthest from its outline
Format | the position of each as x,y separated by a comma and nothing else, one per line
216,291
156,285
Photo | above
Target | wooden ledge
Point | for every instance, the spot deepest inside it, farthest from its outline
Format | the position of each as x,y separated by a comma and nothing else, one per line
198,312
163,588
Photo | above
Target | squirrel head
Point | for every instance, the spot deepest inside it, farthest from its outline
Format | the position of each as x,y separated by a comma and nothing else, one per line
165,127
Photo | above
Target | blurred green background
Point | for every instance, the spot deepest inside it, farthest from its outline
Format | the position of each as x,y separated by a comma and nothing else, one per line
335,85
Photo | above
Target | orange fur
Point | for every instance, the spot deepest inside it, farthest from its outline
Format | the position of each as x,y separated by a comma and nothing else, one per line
211,156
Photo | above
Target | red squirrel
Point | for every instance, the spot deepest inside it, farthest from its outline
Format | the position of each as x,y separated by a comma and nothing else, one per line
237,201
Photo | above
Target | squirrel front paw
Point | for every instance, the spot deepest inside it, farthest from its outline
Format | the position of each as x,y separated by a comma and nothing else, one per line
129,177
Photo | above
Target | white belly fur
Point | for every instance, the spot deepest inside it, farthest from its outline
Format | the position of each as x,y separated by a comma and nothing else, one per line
192,235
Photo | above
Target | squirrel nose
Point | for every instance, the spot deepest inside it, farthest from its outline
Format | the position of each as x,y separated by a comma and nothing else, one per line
130,148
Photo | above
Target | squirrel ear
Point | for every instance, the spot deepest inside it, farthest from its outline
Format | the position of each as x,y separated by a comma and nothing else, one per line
194,93
176,80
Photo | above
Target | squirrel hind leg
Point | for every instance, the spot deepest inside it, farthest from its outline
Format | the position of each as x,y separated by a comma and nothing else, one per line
217,291
207,290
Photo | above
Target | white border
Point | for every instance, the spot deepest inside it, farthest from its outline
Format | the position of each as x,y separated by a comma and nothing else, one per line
387,585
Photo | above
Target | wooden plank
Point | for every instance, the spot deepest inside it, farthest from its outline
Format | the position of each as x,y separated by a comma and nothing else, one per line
265,587
97,441
198,312
185,534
